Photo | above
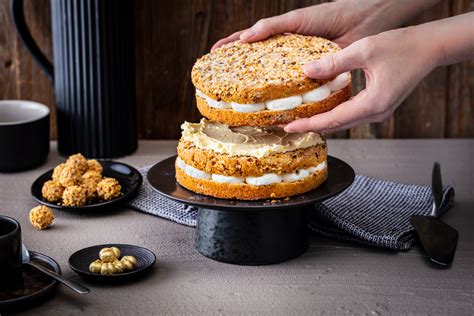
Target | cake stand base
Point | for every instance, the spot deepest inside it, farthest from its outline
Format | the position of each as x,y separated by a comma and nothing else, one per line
251,232
252,238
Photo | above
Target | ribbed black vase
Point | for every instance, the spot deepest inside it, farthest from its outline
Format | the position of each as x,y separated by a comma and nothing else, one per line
93,73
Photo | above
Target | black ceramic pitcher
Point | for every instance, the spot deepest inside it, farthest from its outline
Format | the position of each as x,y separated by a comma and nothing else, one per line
93,74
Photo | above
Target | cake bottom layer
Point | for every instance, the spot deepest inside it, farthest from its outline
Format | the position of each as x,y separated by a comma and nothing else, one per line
244,191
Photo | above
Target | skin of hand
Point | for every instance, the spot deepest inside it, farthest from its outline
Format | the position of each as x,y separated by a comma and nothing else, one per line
393,62
342,22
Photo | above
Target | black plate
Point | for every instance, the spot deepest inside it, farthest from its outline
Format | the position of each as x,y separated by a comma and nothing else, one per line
81,259
162,178
35,286
128,177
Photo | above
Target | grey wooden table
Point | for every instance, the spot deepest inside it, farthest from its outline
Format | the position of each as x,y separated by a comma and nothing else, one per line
333,277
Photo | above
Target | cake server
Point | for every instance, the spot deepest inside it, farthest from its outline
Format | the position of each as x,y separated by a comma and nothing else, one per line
438,238
73,285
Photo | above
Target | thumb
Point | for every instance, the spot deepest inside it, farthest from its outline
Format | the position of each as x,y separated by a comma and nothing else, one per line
331,65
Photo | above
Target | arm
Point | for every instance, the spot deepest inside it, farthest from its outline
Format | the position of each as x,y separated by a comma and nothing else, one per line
455,38
394,62
343,22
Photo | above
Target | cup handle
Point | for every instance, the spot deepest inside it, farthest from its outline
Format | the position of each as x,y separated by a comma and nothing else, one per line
25,35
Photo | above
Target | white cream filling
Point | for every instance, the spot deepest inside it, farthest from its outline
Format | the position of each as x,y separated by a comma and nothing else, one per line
287,103
214,103
317,94
339,82
266,179
196,173
319,167
226,179
180,162
246,108
296,176
284,103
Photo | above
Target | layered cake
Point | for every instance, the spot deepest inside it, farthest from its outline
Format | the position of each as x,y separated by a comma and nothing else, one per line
247,91
249,163
262,83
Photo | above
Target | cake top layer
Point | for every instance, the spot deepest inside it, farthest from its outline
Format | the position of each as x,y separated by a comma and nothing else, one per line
246,141
256,72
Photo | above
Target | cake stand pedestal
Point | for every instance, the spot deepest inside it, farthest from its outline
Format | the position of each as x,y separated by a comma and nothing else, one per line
251,232
252,238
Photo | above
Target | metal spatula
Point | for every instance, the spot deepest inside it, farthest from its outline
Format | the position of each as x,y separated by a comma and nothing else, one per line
438,238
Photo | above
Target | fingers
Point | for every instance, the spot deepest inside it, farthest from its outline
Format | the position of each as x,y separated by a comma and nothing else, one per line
331,65
228,39
288,22
264,28
346,115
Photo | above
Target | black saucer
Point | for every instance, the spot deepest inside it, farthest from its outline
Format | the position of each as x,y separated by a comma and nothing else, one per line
251,232
80,260
128,177
34,287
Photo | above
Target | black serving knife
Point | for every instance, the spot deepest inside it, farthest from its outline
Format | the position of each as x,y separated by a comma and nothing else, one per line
438,238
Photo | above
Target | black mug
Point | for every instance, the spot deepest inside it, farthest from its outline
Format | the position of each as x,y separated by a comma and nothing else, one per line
93,74
24,134
10,251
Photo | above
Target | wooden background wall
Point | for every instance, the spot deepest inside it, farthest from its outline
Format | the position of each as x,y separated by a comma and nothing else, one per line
170,35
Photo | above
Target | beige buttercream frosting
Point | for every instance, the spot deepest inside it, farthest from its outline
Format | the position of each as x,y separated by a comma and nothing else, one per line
246,140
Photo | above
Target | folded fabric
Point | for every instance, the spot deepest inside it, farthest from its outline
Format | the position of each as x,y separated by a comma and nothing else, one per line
151,202
376,212
371,211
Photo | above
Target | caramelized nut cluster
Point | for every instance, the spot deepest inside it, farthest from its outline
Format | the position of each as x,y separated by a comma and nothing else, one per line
78,181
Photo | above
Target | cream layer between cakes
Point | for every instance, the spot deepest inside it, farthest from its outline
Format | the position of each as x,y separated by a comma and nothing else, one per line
246,140
282,104
265,179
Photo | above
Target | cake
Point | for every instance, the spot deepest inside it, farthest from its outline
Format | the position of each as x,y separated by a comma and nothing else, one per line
246,92
249,163
262,83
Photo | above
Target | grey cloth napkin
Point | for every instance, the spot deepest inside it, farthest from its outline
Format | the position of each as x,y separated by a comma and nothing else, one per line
371,211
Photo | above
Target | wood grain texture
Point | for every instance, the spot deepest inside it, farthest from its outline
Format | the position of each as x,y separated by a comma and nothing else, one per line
8,53
170,35
20,76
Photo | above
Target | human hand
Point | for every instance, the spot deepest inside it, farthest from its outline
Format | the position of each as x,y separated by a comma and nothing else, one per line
341,22
393,62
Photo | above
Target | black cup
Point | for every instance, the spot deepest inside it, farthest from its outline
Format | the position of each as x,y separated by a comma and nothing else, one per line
24,134
10,251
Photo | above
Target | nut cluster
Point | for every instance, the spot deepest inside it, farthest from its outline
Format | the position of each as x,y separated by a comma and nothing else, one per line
41,217
78,181
109,263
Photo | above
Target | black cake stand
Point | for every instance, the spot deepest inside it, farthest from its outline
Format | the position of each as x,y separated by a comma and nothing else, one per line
251,232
